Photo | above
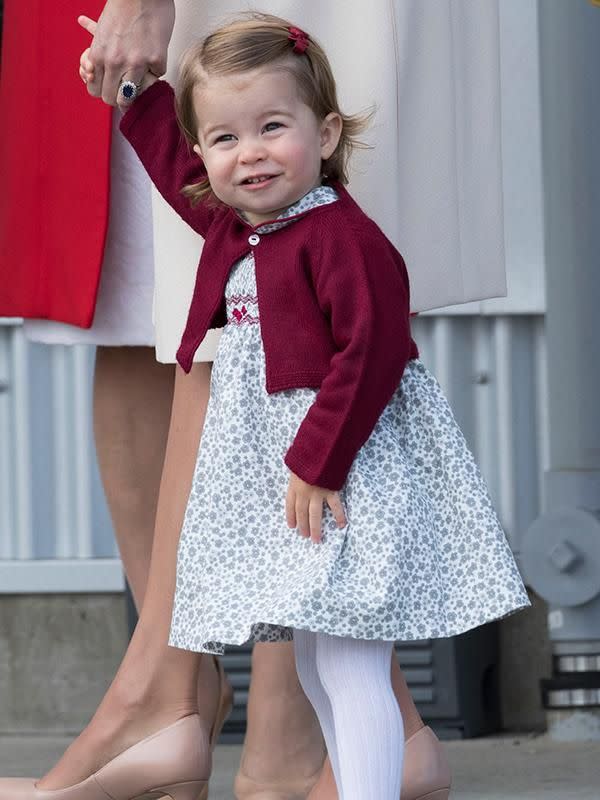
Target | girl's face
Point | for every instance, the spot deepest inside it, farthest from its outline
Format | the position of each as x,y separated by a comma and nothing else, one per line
262,146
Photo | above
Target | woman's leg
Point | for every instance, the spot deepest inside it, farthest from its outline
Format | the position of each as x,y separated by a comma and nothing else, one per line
410,716
155,684
305,650
133,394
283,750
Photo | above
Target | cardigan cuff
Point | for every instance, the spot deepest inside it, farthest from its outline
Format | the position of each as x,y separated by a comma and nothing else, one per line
143,103
332,479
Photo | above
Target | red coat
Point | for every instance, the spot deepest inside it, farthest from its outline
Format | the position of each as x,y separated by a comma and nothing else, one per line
54,165
333,295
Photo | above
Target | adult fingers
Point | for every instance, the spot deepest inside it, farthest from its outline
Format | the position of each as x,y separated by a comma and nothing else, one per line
337,509
315,513
88,24
129,40
135,75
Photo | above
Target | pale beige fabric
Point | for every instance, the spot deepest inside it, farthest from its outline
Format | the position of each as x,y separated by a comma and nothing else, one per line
433,180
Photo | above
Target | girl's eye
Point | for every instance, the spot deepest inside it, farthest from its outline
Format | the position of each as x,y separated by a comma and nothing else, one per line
225,137
272,126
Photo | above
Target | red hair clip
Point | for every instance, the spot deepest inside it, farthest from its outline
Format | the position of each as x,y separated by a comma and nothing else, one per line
300,40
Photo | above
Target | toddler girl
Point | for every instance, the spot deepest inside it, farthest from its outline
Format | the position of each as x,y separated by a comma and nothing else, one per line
334,499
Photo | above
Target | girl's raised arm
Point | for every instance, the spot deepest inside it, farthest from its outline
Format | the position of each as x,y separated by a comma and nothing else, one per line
150,125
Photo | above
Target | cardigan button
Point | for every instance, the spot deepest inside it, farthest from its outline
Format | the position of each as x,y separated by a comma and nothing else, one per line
253,239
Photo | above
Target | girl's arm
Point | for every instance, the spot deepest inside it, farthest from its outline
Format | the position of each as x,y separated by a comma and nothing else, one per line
151,127
362,287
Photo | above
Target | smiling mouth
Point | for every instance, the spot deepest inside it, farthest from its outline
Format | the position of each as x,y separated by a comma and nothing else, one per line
257,179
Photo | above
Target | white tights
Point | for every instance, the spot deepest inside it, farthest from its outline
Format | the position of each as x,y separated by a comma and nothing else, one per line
349,685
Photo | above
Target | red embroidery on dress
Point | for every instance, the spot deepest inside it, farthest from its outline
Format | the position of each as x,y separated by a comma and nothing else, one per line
240,315
234,299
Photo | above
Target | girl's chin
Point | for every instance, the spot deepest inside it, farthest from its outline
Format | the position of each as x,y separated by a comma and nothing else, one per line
259,218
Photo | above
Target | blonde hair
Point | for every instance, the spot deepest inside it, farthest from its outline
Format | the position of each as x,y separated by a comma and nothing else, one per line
254,40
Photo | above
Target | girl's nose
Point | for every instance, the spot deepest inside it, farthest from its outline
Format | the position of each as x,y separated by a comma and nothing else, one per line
252,151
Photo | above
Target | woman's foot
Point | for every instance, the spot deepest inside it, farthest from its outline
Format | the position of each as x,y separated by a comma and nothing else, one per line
126,715
287,766
174,762
426,770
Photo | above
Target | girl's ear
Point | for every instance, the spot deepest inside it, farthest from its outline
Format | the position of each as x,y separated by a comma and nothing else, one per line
198,151
331,130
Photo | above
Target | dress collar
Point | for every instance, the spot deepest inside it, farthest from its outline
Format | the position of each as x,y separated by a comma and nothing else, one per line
319,196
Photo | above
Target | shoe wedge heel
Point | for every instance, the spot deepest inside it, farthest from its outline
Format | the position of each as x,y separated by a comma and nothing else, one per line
440,794
190,790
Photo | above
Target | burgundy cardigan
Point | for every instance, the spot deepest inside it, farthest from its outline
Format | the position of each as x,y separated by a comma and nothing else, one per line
333,297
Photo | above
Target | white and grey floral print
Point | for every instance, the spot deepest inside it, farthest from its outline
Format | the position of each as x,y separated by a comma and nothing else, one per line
422,555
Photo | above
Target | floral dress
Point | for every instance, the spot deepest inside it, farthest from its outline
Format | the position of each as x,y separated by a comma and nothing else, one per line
422,555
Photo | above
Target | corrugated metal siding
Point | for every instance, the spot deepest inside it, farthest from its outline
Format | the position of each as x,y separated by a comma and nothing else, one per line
51,502
492,370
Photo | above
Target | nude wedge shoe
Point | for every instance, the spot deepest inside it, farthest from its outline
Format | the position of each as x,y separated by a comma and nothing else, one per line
174,762
426,773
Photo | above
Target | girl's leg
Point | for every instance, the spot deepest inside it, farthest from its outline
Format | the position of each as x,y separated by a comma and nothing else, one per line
155,684
369,735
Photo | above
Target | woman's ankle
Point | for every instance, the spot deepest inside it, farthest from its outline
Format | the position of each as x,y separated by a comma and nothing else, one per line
153,677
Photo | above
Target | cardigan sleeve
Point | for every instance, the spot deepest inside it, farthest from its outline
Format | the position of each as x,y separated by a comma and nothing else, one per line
150,125
362,287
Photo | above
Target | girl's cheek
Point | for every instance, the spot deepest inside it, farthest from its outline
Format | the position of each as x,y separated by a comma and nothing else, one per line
300,154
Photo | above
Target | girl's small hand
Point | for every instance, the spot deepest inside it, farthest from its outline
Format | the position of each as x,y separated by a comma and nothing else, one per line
304,507
86,68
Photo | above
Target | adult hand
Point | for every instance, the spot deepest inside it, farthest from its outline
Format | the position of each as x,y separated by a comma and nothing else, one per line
86,69
304,507
130,39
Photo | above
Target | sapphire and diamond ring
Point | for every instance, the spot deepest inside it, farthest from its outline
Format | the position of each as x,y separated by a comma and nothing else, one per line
128,91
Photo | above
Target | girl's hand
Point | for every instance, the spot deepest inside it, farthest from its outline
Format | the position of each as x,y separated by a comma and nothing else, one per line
304,507
86,66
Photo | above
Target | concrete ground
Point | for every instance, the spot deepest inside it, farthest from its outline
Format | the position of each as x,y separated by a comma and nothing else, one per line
519,768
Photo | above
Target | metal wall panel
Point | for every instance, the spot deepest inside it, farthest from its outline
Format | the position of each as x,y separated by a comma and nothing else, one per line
51,500
492,370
